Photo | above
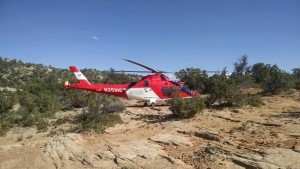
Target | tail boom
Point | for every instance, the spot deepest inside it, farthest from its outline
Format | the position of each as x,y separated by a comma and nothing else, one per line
118,90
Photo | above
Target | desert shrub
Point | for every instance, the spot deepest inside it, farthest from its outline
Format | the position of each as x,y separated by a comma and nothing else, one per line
4,128
272,79
241,73
296,77
244,127
225,92
35,120
28,119
96,122
237,100
7,100
74,99
221,89
103,104
62,120
42,125
186,108
255,101
297,84
113,107
99,114
20,138
195,78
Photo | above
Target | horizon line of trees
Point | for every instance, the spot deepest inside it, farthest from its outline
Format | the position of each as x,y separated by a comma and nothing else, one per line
269,77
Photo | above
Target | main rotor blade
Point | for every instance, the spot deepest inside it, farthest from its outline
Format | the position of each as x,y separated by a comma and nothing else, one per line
131,71
146,67
166,72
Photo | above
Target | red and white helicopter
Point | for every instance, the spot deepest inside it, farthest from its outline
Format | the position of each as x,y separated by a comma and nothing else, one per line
150,88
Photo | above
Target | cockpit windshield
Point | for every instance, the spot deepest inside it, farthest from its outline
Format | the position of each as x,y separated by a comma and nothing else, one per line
185,89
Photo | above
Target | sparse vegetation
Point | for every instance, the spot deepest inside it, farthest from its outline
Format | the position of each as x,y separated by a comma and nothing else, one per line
4,128
255,101
96,122
186,108
39,93
20,138
100,114
244,127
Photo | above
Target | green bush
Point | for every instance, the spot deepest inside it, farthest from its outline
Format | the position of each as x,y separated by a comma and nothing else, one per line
100,113
296,77
27,119
96,122
225,92
272,79
195,78
103,104
186,108
7,100
221,89
241,73
255,101
74,99
4,128
40,92
241,99
237,100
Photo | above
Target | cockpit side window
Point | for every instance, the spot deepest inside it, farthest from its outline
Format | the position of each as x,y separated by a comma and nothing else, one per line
165,91
186,90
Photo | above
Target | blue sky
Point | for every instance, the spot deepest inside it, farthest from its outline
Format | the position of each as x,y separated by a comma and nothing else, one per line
164,34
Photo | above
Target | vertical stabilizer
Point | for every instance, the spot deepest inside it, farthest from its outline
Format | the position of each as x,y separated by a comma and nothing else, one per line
80,77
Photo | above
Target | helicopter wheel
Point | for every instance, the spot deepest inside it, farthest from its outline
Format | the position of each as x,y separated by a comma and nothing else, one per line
152,104
145,104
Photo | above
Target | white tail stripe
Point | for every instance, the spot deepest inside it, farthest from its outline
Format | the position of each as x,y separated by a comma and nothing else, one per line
80,76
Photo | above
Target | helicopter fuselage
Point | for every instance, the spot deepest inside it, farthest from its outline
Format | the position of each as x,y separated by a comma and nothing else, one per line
150,88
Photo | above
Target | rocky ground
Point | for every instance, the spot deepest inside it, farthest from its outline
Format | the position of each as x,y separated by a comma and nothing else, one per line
265,137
